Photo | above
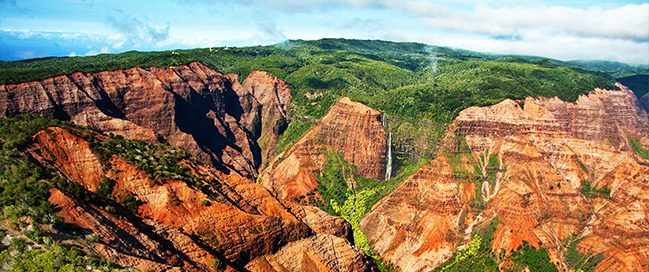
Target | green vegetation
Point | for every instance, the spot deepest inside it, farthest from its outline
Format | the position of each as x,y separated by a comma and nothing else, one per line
585,262
534,259
616,69
23,189
24,186
17,131
293,132
385,187
590,192
638,83
218,264
337,173
493,166
105,188
131,203
477,255
419,87
459,163
334,179
353,203
52,257
637,147
24,205
466,168
353,210
157,160
461,160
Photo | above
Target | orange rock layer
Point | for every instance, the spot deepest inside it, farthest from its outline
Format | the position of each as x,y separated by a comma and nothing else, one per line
178,227
349,128
543,151
213,116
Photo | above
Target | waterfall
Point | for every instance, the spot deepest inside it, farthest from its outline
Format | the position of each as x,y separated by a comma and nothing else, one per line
388,162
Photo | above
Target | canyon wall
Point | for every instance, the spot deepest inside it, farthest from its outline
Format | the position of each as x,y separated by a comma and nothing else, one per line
222,122
350,128
178,225
541,168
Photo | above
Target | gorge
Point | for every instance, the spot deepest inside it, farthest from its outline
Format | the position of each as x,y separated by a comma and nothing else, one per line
495,165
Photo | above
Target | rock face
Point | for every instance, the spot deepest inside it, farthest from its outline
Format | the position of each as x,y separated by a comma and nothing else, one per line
178,227
220,121
411,227
526,166
318,253
350,128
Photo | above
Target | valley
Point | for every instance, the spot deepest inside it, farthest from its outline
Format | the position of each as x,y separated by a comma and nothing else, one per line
325,155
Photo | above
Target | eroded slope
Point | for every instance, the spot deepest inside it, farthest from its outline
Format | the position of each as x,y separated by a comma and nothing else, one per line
218,120
555,175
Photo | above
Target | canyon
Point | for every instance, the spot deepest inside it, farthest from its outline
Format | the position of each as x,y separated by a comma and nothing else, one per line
181,226
349,128
541,173
526,164
220,121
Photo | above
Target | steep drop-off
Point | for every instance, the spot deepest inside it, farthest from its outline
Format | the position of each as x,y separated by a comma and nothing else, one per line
554,174
349,128
218,120
191,224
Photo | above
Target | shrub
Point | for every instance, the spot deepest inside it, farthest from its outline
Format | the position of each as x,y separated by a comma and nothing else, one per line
637,147
589,192
477,255
534,259
105,188
131,203
585,262
218,264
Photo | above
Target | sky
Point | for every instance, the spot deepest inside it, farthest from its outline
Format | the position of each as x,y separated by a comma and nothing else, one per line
614,30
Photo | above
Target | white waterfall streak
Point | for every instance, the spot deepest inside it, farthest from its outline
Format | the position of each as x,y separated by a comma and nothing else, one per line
388,162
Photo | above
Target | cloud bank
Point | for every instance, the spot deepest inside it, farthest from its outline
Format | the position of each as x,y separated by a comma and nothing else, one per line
612,30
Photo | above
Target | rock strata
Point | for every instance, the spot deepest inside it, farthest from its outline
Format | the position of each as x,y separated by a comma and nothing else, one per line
220,121
179,227
349,128
524,164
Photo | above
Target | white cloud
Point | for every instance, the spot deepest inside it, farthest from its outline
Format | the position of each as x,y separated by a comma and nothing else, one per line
589,31
26,54
557,47
137,30
102,50
629,22
118,45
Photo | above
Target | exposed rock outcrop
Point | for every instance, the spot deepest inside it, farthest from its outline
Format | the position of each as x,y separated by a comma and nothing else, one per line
415,227
212,115
176,226
318,253
350,128
526,166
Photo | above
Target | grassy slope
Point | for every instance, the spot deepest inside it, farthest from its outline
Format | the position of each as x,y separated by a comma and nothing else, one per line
24,190
421,88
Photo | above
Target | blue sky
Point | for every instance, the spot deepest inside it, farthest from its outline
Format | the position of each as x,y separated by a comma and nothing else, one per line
607,30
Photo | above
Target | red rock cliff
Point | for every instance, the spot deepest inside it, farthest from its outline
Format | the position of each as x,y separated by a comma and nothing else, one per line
350,128
212,115
525,166
177,227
